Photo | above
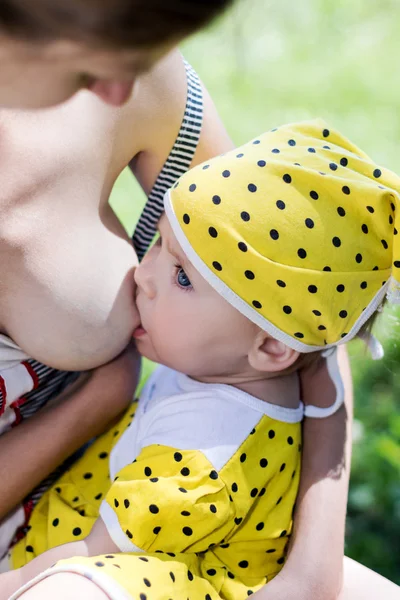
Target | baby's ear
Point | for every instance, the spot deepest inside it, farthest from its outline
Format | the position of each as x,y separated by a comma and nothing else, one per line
270,355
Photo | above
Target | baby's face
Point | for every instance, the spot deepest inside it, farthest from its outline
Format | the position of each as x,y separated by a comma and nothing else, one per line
185,323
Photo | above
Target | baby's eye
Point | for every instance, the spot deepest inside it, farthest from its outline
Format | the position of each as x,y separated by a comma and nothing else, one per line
182,278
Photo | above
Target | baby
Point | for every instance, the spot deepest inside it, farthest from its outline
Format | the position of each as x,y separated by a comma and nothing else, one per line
279,250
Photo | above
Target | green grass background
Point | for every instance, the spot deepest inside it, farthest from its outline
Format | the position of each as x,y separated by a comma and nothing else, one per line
267,62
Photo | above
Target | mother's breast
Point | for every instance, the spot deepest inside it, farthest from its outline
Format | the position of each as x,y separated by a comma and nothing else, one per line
67,297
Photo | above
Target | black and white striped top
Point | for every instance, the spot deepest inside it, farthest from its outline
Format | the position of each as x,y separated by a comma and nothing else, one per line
177,163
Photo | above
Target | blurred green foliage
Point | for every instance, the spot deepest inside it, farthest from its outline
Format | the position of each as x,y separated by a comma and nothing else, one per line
268,62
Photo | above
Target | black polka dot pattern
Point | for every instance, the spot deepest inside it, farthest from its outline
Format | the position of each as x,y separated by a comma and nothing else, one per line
294,209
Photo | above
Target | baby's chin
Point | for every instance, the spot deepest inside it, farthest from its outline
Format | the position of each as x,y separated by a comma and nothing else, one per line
163,354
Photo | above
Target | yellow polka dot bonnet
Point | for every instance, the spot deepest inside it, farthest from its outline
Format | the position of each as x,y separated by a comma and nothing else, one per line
296,229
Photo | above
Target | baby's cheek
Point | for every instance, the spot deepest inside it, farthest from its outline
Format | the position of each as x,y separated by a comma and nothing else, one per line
135,317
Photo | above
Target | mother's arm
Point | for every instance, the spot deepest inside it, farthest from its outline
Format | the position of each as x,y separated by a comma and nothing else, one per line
149,125
318,546
314,567
36,447
151,121
321,505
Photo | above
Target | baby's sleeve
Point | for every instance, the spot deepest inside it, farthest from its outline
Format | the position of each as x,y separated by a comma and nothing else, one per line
168,500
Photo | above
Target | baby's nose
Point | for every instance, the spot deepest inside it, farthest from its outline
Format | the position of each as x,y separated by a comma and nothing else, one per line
144,280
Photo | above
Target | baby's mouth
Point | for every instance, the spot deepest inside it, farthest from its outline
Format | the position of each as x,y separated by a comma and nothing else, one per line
139,332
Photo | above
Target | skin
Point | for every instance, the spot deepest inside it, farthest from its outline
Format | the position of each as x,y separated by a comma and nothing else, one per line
219,345
68,174
361,584
41,76
188,326
35,75
61,243
169,293
324,481
83,409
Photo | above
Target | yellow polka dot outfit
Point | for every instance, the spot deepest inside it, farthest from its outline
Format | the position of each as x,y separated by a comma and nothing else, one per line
298,230
300,215
207,517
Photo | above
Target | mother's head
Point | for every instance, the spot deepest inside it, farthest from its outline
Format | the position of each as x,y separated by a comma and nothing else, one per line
49,49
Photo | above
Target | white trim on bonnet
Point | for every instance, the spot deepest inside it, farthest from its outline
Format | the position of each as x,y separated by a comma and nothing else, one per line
246,310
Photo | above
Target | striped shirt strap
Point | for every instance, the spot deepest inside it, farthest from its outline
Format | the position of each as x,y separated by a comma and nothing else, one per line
177,163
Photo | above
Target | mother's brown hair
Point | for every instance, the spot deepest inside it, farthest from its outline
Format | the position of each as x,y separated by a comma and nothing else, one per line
114,24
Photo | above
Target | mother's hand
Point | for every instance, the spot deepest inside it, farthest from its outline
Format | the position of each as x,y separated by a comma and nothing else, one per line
36,447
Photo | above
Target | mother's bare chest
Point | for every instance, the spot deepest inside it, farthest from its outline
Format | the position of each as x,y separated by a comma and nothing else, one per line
66,291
